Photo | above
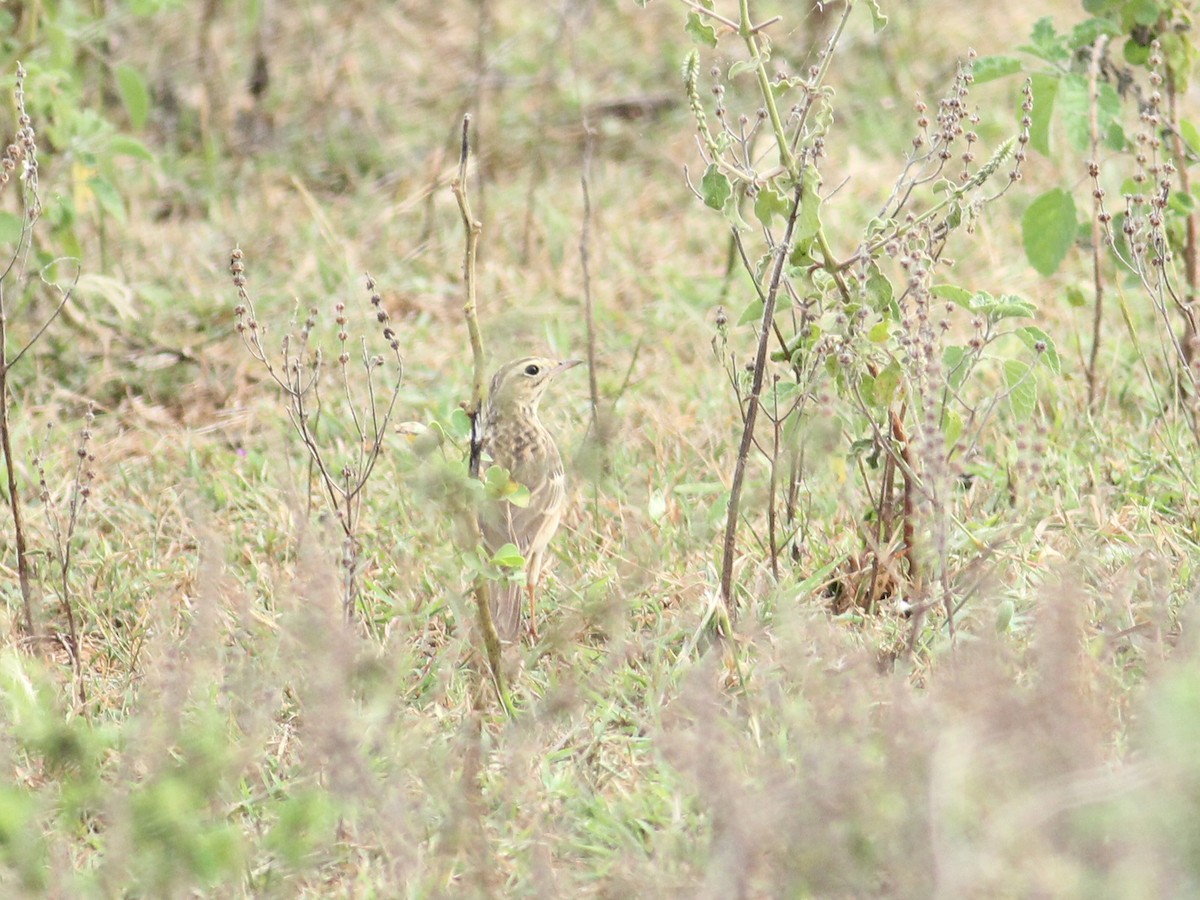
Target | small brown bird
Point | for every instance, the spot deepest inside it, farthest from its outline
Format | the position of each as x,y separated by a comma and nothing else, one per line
515,438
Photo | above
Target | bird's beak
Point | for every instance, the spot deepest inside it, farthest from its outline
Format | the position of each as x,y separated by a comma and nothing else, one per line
567,364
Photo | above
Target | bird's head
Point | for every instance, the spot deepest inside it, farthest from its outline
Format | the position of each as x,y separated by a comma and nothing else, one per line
519,385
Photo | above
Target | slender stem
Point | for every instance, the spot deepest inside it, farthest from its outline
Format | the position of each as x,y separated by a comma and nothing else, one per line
14,498
782,251
491,640
585,263
470,309
1097,246
750,35
1191,259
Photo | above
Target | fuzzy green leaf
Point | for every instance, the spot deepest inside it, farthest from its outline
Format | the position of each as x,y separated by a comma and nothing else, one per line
1022,388
752,313
1045,89
1075,106
952,426
460,422
887,383
508,557
989,68
124,145
954,365
1048,229
957,295
878,19
134,94
808,223
109,197
701,31
715,188
1034,338
770,203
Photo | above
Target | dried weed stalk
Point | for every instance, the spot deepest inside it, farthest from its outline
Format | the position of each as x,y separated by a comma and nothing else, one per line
20,160
368,387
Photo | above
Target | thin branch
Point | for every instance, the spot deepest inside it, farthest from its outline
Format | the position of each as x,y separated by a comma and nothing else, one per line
1097,243
482,592
782,252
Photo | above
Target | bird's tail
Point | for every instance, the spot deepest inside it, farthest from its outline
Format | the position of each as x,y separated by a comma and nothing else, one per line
506,604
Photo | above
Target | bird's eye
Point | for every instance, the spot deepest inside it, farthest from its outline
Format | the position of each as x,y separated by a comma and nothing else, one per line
532,369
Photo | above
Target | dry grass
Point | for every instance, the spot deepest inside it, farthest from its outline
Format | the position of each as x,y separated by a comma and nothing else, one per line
241,740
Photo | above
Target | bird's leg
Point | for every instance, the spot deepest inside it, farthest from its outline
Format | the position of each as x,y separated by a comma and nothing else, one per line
533,633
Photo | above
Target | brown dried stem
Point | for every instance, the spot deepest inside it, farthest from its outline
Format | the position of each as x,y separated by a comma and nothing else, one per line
472,226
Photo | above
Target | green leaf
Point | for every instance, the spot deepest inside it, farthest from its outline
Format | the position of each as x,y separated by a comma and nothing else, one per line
700,30
1075,296
1045,43
508,557
1086,32
495,477
110,199
124,145
887,382
752,313
11,226
715,188
460,423
808,223
954,365
1006,306
1075,106
1143,12
955,294
878,19
1136,54
1045,88
952,426
134,94
1048,229
879,332
1190,135
770,203
879,292
1022,388
989,68
1034,338
743,66
733,215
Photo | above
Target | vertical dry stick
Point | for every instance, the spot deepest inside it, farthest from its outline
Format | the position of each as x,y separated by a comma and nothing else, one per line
483,29
1097,236
782,252
491,639
599,433
14,497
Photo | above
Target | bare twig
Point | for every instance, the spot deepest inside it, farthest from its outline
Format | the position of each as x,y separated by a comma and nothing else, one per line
472,226
599,433
1097,236
782,251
